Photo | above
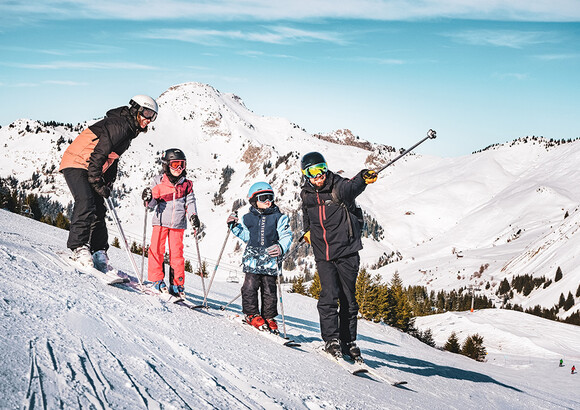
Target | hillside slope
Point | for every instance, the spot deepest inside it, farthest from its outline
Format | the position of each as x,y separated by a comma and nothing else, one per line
71,342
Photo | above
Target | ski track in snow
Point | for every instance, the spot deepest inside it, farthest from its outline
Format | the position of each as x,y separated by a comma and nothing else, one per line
70,341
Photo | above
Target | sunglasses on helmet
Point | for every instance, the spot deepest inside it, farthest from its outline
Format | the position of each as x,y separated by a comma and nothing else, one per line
148,114
315,170
177,165
265,197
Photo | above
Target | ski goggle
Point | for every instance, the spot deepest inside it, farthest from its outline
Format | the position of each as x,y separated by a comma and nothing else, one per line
316,170
265,197
148,114
177,165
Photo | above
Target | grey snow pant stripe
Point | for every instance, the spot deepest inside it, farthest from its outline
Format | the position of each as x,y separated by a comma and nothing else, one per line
87,226
269,299
338,282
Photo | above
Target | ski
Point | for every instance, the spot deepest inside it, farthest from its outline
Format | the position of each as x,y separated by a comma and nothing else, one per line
110,278
383,377
275,337
360,367
352,367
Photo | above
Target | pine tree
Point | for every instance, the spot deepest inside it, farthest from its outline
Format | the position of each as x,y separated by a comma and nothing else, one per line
203,270
569,302
452,344
363,287
188,267
473,348
578,292
298,285
401,316
558,274
63,222
116,243
561,301
314,289
426,337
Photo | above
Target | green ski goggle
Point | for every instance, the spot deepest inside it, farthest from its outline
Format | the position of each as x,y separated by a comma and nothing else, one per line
316,170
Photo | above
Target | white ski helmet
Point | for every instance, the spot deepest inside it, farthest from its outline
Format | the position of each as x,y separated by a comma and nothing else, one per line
144,101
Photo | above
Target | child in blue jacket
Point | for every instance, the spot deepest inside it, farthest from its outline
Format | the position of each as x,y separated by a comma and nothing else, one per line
268,236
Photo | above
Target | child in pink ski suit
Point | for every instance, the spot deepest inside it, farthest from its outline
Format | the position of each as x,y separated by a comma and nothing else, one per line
173,201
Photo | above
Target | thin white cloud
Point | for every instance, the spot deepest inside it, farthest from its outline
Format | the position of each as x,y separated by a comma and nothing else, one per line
269,35
556,57
268,10
66,83
502,38
516,76
84,65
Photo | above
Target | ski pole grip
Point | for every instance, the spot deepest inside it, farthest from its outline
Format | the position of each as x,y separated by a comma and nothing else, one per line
432,134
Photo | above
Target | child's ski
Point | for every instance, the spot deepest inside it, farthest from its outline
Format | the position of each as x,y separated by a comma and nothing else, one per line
278,338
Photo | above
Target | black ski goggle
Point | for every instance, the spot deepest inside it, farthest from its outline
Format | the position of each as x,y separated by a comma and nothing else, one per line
148,114
265,197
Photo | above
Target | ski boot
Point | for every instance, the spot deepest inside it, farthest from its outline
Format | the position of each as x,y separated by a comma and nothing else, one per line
257,321
160,286
177,290
273,326
332,347
351,350
82,255
101,261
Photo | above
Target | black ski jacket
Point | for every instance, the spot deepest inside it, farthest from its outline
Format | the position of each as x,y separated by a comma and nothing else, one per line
115,132
327,220
99,146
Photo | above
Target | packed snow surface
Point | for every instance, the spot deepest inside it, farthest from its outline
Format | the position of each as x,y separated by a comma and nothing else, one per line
70,341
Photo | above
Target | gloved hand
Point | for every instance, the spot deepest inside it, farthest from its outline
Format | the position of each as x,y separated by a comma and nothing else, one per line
232,220
147,195
274,250
194,219
306,237
369,176
99,187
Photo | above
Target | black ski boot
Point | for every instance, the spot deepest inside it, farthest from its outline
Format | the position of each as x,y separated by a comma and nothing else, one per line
352,350
332,347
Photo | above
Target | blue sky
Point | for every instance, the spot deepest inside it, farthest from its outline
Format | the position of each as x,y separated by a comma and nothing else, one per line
387,70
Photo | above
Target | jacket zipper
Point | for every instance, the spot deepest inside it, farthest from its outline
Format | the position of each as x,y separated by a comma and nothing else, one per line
322,217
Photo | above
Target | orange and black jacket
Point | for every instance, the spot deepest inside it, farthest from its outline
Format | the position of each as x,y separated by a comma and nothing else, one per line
331,234
98,147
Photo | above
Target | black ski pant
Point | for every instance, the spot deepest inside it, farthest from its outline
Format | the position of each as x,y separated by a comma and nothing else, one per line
269,295
87,225
338,283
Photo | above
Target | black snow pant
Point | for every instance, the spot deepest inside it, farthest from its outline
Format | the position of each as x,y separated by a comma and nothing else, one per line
338,283
253,283
87,225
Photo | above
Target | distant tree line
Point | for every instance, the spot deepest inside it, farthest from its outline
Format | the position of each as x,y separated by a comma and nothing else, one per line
14,198
525,284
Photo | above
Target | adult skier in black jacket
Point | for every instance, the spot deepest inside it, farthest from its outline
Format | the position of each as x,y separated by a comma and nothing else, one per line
89,166
332,225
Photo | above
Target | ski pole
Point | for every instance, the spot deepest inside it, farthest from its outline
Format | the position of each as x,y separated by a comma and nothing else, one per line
230,302
143,246
216,268
431,134
199,261
281,302
111,208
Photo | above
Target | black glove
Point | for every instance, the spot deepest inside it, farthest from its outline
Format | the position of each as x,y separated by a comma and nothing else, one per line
147,195
369,176
99,187
194,219
232,220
